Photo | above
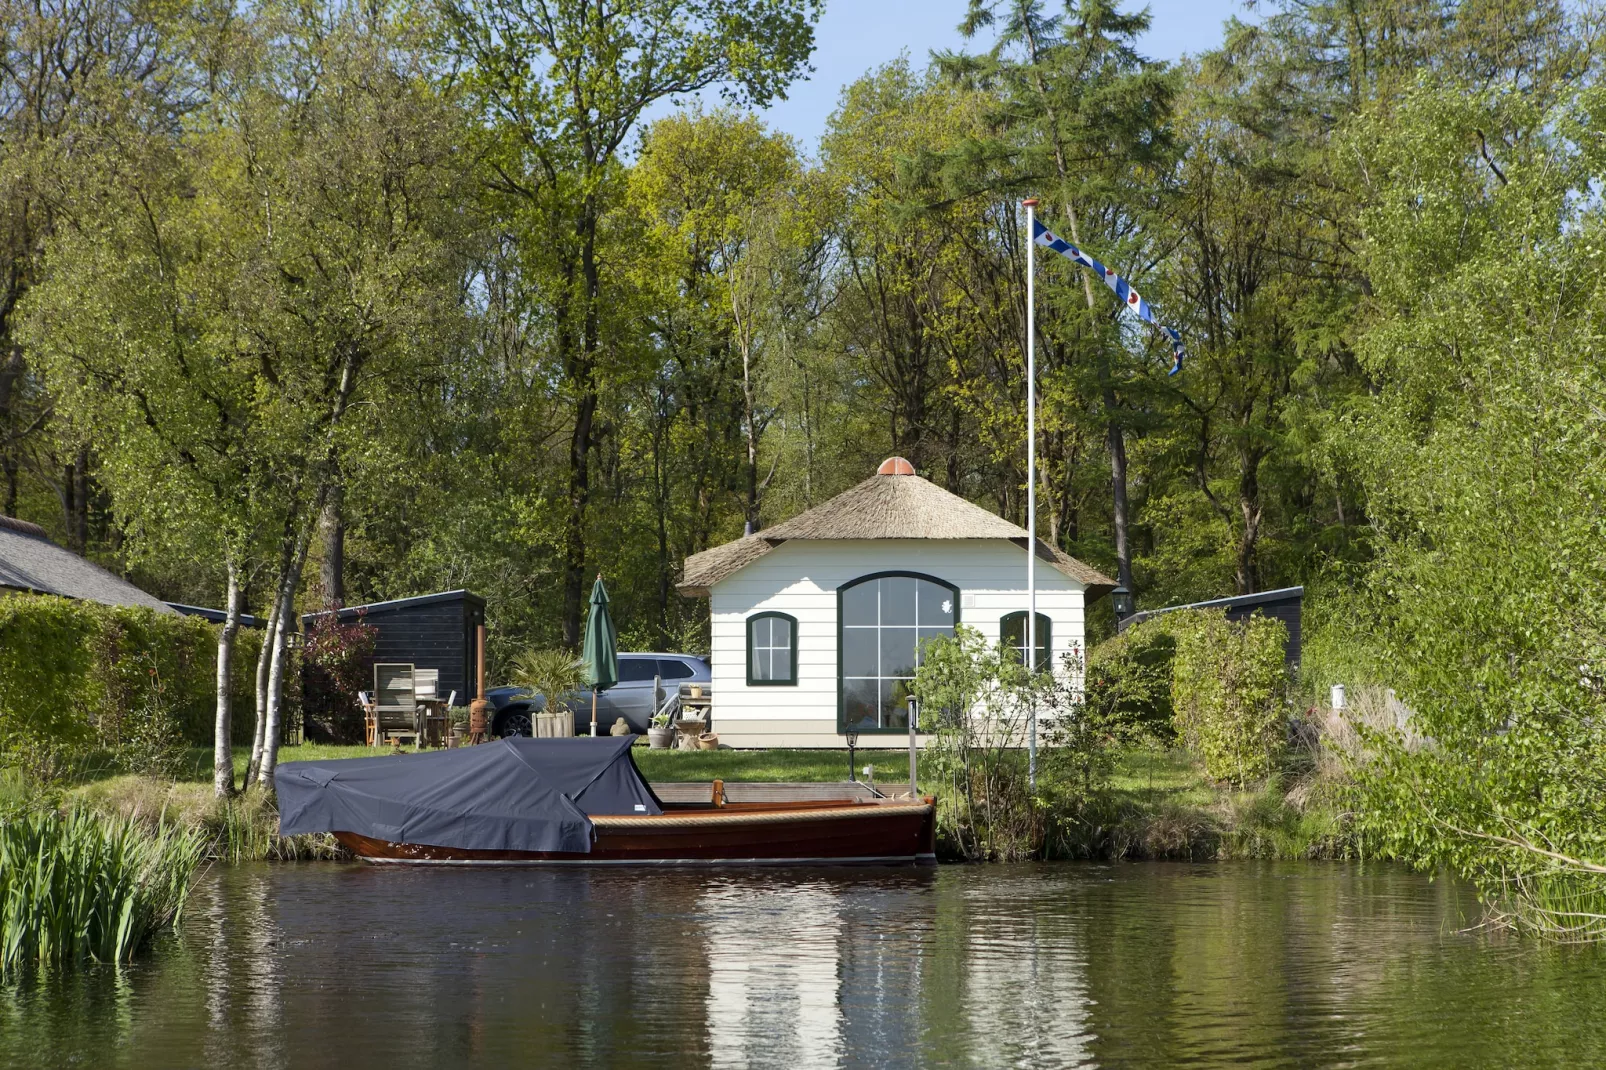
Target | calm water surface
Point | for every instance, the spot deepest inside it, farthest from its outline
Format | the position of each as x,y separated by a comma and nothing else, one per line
351,966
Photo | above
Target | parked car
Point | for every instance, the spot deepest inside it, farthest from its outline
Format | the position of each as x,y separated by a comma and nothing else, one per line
631,698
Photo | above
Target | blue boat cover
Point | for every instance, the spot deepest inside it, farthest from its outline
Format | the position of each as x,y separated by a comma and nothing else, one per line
511,795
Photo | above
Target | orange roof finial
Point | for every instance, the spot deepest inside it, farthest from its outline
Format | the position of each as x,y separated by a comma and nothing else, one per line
895,466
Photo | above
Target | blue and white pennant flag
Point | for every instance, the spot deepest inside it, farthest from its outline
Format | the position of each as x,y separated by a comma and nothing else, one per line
1129,297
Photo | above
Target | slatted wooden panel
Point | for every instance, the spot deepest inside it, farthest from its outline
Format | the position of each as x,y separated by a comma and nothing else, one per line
432,632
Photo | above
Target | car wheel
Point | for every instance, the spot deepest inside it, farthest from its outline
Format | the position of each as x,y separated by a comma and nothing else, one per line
516,723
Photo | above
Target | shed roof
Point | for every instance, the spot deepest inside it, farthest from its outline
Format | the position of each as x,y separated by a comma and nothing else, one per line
373,608
892,504
29,561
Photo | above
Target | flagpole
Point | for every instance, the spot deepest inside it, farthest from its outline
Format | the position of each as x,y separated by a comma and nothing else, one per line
1029,655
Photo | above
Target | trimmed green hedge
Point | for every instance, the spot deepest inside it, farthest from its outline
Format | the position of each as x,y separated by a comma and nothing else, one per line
1229,683
1222,685
79,675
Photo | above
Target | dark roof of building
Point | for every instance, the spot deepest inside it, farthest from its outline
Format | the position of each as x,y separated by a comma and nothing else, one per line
217,616
29,561
893,504
1237,601
350,612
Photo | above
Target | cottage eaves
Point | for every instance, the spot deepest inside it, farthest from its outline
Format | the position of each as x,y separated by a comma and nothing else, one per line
885,506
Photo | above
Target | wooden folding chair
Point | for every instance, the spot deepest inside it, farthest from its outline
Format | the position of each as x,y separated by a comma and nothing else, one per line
370,719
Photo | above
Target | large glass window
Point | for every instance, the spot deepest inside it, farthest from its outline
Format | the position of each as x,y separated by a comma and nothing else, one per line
885,620
1012,628
771,649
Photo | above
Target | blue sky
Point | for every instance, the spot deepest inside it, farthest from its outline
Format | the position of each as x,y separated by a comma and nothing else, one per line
856,35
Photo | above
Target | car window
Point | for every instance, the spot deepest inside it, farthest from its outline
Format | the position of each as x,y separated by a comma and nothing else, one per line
637,670
675,670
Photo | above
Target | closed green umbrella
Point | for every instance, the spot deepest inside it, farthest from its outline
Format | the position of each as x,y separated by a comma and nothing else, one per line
601,654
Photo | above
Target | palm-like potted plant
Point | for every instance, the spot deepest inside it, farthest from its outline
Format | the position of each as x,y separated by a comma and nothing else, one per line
554,675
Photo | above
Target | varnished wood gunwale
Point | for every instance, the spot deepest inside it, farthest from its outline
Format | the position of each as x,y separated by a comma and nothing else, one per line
895,833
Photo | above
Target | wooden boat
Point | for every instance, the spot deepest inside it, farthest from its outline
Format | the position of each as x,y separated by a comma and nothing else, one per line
875,831
583,801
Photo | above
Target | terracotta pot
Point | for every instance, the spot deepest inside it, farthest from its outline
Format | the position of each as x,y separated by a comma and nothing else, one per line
708,741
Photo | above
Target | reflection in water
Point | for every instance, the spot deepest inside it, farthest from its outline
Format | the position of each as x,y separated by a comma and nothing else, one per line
1055,965
773,974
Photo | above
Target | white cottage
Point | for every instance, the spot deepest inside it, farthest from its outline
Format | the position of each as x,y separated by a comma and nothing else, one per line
816,621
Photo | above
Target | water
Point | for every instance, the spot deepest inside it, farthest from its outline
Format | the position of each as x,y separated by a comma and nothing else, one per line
351,966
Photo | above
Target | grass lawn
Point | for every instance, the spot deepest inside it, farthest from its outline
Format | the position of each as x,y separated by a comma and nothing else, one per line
797,765
1154,777
1148,778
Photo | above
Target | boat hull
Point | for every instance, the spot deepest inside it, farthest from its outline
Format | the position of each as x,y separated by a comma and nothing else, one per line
885,832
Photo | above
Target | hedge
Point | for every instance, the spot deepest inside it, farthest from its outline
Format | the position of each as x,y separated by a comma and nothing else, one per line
1221,684
80,675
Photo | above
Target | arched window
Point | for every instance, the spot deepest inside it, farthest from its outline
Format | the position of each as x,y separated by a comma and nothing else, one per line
882,620
771,649
1012,630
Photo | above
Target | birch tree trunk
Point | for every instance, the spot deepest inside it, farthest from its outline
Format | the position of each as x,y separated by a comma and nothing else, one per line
274,727
223,729
264,663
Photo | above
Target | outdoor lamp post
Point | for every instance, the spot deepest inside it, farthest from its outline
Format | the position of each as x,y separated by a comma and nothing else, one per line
1121,598
853,741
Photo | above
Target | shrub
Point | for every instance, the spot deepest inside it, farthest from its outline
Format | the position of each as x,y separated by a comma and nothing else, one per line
44,659
334,667
974,699
1129,678
1228,689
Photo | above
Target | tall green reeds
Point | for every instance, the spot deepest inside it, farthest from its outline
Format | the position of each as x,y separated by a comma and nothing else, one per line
83,886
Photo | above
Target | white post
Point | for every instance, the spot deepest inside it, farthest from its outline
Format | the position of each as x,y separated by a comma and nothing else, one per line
1029,656
914,721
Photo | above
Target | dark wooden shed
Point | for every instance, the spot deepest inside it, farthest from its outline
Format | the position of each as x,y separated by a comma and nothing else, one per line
1285,603
432,631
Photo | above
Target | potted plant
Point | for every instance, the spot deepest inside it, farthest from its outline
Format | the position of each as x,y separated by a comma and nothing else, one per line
660,734
553,675
459,718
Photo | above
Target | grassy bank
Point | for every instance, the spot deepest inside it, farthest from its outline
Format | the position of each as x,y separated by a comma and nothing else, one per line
1159,804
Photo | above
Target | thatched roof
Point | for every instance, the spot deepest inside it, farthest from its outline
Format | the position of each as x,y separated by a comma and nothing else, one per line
885,506
29,561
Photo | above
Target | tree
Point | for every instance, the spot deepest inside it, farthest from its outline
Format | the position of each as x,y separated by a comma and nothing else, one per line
263,283
1482,456
63,64
1080,121
561,86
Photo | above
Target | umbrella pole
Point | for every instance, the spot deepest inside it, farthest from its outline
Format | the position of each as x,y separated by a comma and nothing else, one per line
593,713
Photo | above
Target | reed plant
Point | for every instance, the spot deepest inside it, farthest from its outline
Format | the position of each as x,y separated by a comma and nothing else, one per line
83,886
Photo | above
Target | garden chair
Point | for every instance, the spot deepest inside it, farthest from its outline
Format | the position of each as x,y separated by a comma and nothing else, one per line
370,719
396,705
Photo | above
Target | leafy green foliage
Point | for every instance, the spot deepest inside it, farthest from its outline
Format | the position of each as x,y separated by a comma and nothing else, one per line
85,887
1129,679
1229,686
973,699
1483,451
552,674
129,683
